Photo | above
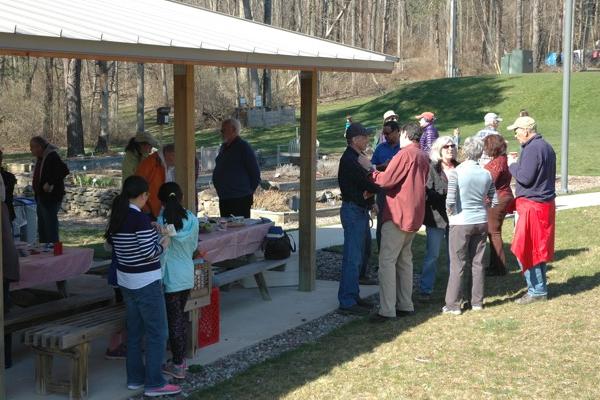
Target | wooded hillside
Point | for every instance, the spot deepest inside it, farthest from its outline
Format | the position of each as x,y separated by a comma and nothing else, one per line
97,104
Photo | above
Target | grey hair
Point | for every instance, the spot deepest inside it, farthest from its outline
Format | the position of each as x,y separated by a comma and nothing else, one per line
235,123
435,154
473,148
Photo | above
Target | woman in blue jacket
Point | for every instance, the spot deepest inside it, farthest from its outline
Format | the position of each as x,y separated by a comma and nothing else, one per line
178,270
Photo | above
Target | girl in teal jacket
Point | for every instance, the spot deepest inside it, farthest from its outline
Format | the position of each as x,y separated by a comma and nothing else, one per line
178,270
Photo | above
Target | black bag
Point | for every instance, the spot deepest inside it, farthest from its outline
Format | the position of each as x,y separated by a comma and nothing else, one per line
278,245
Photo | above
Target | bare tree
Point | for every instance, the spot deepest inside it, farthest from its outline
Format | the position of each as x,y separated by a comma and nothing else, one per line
252,73
103,137
535,33
519,24
74,122
48,124
165,85
267,98
140,98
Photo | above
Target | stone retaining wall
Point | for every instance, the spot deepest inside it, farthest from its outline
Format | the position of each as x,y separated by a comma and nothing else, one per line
89,202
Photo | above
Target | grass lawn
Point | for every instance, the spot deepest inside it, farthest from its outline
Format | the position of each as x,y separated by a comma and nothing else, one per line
85,237
543,351
459,102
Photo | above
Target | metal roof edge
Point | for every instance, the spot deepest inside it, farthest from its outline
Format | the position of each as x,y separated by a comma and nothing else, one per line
43,46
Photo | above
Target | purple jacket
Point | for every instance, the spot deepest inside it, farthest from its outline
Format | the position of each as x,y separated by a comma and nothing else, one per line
429,135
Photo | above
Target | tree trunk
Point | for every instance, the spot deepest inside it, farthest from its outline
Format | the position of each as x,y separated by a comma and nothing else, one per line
535,32
267,99
48,125
252,73
140,98
165,84
103,137
30,75
519,24
74,123
499,37
385,24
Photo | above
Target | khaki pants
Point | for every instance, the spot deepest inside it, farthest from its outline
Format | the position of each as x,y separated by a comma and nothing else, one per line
395,270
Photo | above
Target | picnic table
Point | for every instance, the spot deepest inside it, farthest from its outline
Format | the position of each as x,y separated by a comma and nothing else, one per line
45,267
234,242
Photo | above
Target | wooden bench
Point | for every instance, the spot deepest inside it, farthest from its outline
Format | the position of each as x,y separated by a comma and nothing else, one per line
254,268
26,317
70,337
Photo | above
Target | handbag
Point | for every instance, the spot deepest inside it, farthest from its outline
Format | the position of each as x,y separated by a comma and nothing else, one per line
278,245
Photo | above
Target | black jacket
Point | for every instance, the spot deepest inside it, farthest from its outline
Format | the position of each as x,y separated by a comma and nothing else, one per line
354,180
53,171
435,191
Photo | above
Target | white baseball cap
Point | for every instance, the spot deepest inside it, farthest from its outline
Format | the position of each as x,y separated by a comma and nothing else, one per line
389,113
491,117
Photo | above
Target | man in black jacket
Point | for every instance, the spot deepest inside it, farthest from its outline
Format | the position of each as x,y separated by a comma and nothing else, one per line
357,199
49,187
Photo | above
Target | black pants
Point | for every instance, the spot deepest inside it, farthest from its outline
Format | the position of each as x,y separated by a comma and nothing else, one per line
177,319
239,207
7,337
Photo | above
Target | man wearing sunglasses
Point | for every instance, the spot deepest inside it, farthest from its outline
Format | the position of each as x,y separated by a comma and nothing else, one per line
535,176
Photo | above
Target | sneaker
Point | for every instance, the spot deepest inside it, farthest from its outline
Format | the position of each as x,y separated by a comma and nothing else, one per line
354,310
120,353
175,370
364,303
165,390
135,386
366,281
446,310
378,318
528,299
404,313
476,307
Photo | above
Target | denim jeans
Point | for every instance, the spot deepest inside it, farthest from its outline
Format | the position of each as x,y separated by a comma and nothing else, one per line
146,322
355,221
47,214
536,280
435,237
364,265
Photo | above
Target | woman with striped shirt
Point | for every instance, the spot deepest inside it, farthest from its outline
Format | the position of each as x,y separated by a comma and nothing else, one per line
137,248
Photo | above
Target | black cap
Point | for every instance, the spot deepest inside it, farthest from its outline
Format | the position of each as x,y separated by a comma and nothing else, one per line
356,129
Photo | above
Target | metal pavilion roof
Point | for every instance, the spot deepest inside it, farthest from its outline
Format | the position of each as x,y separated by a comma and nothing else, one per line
169,32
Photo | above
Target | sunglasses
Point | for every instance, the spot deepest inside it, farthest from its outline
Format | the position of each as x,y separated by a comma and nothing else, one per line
449,146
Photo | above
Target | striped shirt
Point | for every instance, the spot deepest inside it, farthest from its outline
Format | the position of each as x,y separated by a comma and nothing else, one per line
137,251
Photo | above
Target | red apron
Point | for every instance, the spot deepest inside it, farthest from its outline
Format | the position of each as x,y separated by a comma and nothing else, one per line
533,242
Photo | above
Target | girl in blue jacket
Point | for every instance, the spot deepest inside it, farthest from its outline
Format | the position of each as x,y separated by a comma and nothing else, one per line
178,270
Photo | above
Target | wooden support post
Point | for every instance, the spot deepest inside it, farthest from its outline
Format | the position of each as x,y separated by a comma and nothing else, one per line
2,349
185,144
308,164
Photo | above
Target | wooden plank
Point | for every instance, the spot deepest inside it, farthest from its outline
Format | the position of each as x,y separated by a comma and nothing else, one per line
185,143
41,313
235,274
308,163
71,339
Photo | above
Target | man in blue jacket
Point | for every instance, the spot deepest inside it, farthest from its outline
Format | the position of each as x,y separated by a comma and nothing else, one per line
236,175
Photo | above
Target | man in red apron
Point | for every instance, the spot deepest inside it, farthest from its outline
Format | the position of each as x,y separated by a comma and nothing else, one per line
535,176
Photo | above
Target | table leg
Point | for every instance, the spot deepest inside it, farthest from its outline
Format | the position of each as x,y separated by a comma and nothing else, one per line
61,286
262,286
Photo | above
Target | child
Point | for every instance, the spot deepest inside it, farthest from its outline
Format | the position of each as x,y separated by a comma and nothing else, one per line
178,271
137,248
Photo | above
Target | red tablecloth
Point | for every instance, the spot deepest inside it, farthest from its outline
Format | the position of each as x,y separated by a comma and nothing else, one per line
39,269
232,243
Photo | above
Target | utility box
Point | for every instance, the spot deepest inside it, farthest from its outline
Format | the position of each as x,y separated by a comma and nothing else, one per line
517,62
162,115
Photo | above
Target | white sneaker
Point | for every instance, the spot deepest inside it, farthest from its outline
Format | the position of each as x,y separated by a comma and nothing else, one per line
477,308
446,310
135,386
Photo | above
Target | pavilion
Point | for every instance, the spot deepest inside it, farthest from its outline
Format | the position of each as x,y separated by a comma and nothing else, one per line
163,31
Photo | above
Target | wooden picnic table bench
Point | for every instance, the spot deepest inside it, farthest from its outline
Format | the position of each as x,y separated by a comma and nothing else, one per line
70,337
255,269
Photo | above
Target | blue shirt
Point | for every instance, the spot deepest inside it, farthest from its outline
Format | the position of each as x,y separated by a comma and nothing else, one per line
468,187
535,171
384,152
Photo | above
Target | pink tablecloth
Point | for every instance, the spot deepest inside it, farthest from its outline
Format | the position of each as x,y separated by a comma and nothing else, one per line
39,269
232,243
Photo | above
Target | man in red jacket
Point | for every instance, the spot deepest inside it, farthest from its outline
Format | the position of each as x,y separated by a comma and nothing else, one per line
404,182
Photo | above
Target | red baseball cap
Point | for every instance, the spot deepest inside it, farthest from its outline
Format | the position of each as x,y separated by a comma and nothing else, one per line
428,115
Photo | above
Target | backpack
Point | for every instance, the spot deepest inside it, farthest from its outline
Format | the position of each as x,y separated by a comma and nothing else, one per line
278,245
